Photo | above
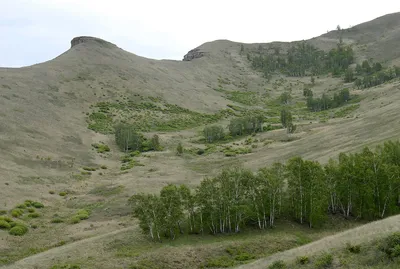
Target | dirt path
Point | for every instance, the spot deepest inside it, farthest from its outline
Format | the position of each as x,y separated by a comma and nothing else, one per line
38,260
357,235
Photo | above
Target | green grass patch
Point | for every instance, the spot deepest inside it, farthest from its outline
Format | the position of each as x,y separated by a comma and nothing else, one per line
18,230
346,110
146,116
101,148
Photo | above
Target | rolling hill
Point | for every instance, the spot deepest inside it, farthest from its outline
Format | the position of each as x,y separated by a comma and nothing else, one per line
48,126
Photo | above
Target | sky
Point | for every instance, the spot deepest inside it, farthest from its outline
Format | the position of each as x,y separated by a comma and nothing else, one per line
34,31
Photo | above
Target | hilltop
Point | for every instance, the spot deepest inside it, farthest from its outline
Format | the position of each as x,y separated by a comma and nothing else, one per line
54,115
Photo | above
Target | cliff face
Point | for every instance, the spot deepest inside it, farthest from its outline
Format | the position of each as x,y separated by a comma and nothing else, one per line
193,54
89,39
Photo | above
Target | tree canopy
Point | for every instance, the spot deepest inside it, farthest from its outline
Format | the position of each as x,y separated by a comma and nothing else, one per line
363,185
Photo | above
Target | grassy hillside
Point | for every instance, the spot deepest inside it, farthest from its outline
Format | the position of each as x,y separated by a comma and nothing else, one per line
57,118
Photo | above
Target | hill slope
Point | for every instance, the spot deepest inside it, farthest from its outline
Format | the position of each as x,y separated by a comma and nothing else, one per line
46,110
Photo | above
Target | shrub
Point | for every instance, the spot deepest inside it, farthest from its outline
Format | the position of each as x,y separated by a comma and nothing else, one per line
86,173
324,261
220,262
75,220
37,205
303,260
86,168
34,226
3,212
179,149
134,153
52,192
353,248
21,206
213,133
230,153
277,265
200,151
31,210
155,143
17,212
18,230
6,218
57,220
101,148
4,225
28,203
34,215
244,256
391,245
63,193
103,166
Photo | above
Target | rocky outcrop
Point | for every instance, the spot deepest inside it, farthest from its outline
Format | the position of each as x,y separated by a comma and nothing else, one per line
89,39
194,54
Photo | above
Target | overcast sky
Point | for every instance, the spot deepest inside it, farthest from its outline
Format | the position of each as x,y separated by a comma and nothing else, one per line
33,31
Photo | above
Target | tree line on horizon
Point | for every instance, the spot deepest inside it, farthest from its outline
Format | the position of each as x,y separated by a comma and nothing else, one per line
363,185
303,59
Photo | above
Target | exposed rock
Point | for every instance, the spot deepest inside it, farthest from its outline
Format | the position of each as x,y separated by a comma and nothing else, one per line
194,54
89,39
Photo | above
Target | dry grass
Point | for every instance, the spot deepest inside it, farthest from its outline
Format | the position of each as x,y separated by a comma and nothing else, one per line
44,139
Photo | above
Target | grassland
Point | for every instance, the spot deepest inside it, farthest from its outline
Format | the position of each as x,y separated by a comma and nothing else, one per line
57,148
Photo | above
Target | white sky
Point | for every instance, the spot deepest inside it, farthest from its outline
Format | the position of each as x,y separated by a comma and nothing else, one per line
33,31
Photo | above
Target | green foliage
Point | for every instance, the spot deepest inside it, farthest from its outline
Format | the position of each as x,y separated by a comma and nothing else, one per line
307,92
285,98
21,206
81,214
147,116
103,167
244,256
57,220
246,125
304,59
75,220
17,212
34,215
361,185
349,75
18,230
372,74
155,143
220,262
277,265
324,103
179,149
63,193
3,212
4,225
127,138
303,260
286,118
89,168
37,205
324,261
31,210
213,133
353,248
391,245
101,148
6,218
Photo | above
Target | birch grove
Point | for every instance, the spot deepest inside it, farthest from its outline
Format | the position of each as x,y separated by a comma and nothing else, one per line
363,185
